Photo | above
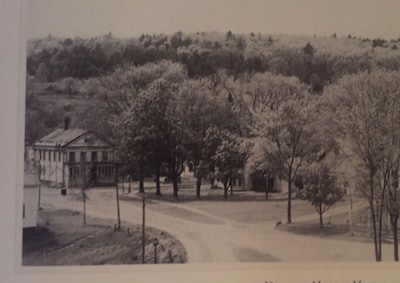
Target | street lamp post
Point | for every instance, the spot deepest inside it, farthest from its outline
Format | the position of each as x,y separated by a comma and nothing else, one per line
155,243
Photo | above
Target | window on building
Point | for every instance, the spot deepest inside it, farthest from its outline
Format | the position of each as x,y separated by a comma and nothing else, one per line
105,156
59,156
94,156
83,156
40,155
72,157
54,156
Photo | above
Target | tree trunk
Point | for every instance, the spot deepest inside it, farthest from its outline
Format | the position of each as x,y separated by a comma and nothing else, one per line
84,206
129,185
394,220
123,183
396,240
372,210
175,183
374,229
141,177
266,188
231,185
289,208
321,223
380,217
118,210
212,182
226,189
380,235
198,187
158,187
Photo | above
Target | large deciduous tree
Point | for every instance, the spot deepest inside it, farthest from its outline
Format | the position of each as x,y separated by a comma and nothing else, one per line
138,102
199,108
369,119
289,132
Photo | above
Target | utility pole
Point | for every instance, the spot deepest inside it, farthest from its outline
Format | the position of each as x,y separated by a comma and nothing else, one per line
143,231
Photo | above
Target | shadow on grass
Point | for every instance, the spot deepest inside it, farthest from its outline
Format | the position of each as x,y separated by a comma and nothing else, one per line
35,239
214,195
65,241
313,229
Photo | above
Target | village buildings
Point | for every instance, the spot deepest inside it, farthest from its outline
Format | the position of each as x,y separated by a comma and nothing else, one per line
70,157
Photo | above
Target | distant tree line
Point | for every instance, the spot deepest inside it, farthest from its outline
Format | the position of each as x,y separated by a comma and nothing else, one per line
52,59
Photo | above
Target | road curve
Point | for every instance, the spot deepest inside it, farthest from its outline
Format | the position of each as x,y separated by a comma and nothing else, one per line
211,239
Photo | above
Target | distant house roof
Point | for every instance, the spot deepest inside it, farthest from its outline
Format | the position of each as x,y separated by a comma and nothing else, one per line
61,137
31,175
73,138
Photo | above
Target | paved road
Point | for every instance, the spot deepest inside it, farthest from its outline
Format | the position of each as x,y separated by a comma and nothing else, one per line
212,239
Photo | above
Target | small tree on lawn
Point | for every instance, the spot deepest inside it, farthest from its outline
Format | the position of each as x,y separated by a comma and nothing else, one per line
228,159
321,190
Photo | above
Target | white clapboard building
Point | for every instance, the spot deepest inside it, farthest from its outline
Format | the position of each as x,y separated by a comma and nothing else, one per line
69,155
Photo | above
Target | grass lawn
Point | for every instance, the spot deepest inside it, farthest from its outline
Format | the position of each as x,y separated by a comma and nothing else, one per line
253,211
243,206
64,240
335,227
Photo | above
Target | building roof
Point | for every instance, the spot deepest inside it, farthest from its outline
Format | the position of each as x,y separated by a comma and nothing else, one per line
31,175
61,137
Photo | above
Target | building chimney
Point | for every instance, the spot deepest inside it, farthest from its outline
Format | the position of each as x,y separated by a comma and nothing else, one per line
67,120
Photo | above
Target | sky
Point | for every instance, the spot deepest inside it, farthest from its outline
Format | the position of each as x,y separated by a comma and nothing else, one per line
130,18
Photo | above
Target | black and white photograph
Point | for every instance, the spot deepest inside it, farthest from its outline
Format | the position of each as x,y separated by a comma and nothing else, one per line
200,134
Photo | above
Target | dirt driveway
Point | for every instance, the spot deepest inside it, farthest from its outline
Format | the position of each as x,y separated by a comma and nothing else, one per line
212,238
